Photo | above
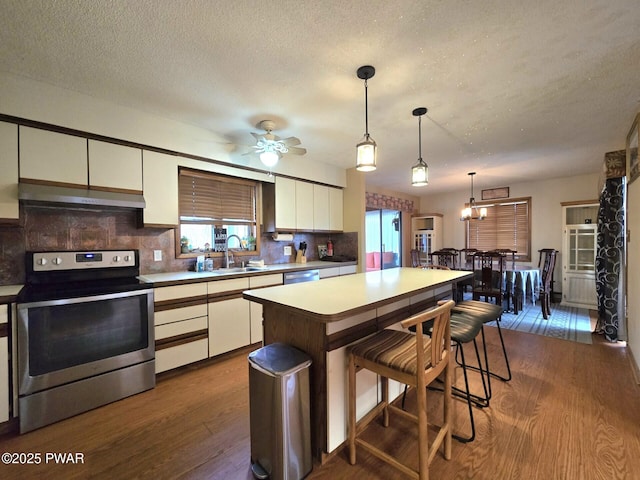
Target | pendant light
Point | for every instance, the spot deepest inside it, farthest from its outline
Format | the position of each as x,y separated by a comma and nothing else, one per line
472,212
366,149
420,171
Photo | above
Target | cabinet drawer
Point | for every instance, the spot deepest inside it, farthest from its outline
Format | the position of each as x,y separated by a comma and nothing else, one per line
329,272
231,285
180,328
177,314
177,292
180,355
265,280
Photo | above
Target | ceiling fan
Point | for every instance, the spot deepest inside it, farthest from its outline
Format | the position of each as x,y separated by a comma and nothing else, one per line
270,147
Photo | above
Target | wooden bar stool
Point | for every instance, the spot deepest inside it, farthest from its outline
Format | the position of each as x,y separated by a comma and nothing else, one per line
412,359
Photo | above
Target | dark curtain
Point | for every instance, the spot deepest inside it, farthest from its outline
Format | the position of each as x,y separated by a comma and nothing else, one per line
610,260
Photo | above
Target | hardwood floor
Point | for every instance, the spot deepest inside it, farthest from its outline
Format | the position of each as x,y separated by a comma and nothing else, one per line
572,411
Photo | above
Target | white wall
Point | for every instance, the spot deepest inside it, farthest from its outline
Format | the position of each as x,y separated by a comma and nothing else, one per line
546,212
25,98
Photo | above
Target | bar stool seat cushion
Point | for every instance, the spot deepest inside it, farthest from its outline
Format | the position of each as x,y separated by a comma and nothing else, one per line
485,311
393,349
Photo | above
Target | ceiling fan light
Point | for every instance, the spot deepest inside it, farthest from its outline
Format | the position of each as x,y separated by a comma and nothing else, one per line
366,154
420,174
269,158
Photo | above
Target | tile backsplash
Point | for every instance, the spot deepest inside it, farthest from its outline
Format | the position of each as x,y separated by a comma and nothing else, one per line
48,228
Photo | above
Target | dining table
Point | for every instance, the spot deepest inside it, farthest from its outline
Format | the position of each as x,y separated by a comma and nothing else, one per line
521,284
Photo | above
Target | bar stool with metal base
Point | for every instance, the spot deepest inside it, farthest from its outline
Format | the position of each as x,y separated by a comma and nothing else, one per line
413,359
486,312
464,329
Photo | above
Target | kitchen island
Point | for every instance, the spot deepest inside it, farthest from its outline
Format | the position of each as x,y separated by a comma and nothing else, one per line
323,318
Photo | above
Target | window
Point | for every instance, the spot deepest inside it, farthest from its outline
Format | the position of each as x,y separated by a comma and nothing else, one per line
211,202
507,226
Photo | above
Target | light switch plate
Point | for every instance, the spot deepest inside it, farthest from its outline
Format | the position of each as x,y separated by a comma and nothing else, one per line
287,250
157,255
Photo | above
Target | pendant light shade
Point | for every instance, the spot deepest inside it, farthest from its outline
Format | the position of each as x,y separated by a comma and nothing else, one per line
366,148
473,212
420,171
270,158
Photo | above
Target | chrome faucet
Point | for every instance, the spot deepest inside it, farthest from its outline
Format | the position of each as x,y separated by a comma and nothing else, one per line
226,252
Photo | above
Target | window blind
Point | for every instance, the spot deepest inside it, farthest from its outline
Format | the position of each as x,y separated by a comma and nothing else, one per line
506,226
206,197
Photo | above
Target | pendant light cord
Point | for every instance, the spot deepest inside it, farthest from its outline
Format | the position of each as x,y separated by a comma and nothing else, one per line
366,110
420,138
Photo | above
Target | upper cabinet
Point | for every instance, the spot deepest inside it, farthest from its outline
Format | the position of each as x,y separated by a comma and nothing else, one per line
160,185
115,167
9,210
57,158
53,157
293,205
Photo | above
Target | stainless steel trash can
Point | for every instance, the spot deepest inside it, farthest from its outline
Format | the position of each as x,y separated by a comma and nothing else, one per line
279,412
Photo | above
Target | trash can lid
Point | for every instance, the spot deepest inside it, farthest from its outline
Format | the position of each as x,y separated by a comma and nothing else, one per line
279,358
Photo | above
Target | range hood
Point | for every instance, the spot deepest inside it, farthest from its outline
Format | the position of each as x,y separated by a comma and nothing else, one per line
78,196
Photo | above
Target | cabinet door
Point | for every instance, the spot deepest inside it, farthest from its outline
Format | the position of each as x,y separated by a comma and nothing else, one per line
115,167
321,213
285,204
304,206
229,325
335,209
4,367
53,157
9,167
160,186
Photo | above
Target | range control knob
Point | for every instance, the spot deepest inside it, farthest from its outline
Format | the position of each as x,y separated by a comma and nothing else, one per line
57,261
116,258
41,261
127,258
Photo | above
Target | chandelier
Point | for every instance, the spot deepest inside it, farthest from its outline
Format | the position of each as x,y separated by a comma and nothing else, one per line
472,211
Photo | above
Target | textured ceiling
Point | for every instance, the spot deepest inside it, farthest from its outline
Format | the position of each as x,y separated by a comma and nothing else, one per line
515,90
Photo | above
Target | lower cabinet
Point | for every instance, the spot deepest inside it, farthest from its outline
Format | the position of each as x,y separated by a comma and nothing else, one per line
229,316
181,325
256,308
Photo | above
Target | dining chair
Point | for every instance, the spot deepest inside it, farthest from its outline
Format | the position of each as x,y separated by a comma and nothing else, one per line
466,258
546,287
507,252
413,359
488,269
447,258
415,258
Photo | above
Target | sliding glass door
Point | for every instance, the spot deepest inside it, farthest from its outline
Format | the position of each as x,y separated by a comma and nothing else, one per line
383,239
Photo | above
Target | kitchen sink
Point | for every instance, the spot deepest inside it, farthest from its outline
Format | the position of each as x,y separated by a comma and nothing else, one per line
222,271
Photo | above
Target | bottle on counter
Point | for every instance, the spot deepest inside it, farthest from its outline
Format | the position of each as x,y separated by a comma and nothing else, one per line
329,248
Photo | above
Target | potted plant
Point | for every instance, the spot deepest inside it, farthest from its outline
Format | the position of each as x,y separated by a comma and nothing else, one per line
184,245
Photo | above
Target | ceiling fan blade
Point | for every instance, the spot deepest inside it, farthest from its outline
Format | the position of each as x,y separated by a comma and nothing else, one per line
297,150
291,141
257,136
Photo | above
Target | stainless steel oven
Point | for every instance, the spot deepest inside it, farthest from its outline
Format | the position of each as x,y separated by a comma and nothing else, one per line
85,334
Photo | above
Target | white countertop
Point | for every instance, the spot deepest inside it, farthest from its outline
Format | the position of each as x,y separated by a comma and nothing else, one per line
334,297
10,290
177,277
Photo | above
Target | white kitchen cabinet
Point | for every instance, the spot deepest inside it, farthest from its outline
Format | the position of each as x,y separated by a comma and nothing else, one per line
294,205
579,256
336,216
9,207
181,325
348,269
321,209
4,364
304,206
229,315
285,204
256,308
427,234
160,187
115,167
53,157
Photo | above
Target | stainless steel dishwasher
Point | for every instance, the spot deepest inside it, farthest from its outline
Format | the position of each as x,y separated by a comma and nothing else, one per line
301,276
